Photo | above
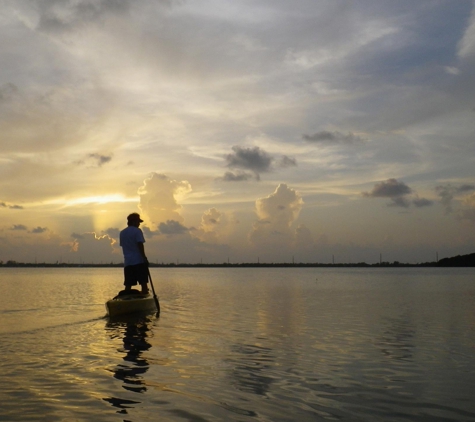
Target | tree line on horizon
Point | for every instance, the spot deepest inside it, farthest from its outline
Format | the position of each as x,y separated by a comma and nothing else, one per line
456,261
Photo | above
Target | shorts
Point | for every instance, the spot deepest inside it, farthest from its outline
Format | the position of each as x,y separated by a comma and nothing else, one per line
135,273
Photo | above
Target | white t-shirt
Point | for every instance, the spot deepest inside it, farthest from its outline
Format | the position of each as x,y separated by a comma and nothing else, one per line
129,237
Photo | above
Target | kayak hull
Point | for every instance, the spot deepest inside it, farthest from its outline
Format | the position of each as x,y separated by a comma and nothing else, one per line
130,304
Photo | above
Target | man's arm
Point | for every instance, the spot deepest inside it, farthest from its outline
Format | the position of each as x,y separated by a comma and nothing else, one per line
142,250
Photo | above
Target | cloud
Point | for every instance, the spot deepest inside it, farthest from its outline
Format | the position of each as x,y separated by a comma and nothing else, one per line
398,193
467,211
253,159
214,225
448,192
18,227
112,232
92,248
391,188
7,92
303,239
39,230
287,162
158,199
148,233
276,214
95,160
66,16
467,43
422,202
11,206
236,177
77,236
333,138
172,227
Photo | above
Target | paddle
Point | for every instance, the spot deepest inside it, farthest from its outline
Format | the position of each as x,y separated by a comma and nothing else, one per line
153,290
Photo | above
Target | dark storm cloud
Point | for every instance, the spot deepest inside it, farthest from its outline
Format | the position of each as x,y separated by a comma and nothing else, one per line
398,193
7,92
253,159
18,227
11,206
77,236
100,159
39,230
399,201
94,160
448,192
287,162
391,188
333,138
422,202
239,176
172,227
64,16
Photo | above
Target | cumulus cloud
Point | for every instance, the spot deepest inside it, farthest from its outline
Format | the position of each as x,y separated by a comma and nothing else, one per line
448,192
303,239
158,199
276,214
335,137
112,232
214,225
89,247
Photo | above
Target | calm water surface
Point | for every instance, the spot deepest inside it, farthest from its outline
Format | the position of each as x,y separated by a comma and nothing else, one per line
240,345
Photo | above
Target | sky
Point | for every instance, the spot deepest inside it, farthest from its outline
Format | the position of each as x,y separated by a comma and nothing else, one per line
241,131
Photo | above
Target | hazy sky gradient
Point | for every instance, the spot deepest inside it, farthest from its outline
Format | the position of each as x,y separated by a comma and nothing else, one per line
240,130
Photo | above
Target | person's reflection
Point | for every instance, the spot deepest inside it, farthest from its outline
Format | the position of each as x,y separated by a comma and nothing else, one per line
135,332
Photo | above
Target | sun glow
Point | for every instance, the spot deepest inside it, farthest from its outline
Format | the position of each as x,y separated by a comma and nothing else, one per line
99,199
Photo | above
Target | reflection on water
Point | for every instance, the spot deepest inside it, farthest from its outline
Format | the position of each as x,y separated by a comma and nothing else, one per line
397,340
134,331
249,364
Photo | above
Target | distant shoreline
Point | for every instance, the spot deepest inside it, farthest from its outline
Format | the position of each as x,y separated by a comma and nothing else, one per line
457,261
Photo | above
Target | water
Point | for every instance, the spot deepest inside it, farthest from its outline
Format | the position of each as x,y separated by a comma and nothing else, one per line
240,345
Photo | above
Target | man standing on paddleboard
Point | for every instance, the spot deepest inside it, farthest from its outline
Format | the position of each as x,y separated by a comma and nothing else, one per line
135,261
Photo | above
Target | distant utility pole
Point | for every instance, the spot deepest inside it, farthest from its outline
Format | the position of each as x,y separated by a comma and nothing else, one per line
333,259
380,258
